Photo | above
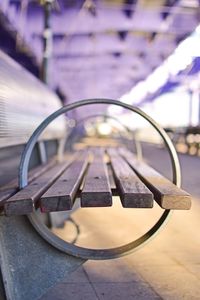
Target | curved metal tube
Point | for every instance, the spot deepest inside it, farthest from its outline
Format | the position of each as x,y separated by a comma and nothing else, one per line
85,252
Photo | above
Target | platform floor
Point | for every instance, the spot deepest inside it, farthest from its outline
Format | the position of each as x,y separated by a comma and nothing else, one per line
167,268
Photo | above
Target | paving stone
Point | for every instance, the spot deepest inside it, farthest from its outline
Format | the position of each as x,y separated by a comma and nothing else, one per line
79,276
186,256
172,282
194,269
111,271
71,291
125,291
147,257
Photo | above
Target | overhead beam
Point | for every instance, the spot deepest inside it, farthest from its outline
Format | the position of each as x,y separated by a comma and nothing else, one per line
85,23
132,54
170,4
122,31
129,7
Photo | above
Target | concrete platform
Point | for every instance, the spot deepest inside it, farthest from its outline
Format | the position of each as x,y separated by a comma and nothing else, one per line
167,268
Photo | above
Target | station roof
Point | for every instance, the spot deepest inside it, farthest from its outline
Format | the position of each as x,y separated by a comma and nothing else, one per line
99,48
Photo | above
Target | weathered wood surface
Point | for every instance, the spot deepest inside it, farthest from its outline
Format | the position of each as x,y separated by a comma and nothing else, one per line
32,174
23,201
61,195
166,194
12,187
96,189
112,180
133,193
94,178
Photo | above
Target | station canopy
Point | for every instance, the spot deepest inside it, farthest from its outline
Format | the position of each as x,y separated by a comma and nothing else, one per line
133,50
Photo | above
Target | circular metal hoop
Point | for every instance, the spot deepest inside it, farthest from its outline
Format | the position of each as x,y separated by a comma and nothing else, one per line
85,253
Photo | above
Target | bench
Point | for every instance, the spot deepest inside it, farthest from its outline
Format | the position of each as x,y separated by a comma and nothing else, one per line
92,174
104,172
32,258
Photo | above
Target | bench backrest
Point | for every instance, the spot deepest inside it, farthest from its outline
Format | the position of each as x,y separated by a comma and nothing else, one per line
24,103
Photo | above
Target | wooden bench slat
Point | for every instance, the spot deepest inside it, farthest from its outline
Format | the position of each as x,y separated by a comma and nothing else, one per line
166,194
133,192
111,180
96,190
23,201
32,174
61,195
5,194
12,187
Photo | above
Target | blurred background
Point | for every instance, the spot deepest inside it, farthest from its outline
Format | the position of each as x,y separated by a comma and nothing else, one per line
145,53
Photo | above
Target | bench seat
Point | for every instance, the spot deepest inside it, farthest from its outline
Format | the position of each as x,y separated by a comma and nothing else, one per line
94,175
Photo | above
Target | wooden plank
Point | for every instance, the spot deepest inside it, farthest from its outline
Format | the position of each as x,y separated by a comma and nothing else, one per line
166,194
133,193
32,174
61,195
5,194
11,188
112,180
96,190
23,201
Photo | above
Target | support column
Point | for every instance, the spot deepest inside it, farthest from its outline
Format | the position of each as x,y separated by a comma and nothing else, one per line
47,41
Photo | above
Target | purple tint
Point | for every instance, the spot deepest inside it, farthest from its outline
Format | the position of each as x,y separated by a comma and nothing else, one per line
98,50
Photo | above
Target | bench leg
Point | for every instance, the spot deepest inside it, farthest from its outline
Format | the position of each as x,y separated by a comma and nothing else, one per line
29,265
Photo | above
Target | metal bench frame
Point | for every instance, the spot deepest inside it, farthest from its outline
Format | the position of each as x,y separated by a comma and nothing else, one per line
74,250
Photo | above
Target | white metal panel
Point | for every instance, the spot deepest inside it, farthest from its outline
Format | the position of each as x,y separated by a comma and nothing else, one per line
24,103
